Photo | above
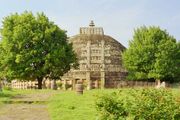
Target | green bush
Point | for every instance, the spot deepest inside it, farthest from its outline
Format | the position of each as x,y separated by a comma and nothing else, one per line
59,85
110,107
139,104
67,86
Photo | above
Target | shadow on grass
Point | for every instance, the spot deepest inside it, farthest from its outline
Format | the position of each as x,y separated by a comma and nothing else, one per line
6,95
18,96
2,94
24,102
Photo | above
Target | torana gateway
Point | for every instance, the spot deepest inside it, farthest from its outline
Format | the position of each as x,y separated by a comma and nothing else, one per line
99,55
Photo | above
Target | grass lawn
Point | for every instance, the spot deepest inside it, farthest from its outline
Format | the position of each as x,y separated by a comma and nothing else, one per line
67,105
6,95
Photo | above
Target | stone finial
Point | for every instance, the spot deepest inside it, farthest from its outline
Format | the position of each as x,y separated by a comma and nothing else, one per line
91,24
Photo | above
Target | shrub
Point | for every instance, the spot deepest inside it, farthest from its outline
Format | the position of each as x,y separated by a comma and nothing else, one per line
59,85
84,86
67,86
141,104
110,107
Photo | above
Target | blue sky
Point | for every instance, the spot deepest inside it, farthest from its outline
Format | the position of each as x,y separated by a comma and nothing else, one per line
119,18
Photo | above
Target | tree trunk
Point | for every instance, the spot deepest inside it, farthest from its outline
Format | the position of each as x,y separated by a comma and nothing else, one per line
44,84
53,85
40,82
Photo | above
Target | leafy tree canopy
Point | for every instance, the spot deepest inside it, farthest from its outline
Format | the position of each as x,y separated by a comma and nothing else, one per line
152,54
32,47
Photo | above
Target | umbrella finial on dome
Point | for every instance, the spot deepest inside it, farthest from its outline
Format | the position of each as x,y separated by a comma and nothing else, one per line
91,24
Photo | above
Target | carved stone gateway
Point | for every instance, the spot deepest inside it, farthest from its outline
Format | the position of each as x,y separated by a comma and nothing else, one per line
99,56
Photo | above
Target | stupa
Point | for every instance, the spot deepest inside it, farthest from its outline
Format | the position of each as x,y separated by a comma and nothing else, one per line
100,61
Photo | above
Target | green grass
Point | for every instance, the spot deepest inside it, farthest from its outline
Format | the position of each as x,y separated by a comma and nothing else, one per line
6,95
67,105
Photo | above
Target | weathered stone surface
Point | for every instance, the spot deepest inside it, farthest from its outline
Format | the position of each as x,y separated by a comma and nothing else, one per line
99,57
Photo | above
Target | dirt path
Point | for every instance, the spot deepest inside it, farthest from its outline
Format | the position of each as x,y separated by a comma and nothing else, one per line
27,107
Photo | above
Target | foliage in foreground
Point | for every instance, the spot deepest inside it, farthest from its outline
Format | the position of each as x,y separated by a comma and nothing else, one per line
144,104
32,47
152,54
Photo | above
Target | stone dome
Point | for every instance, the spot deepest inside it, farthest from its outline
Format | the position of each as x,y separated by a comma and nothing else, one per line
99,55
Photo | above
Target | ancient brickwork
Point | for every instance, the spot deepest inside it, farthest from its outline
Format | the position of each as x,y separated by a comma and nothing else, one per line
99,55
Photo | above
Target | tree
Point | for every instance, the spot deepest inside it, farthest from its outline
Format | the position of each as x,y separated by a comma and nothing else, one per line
152,54
33,48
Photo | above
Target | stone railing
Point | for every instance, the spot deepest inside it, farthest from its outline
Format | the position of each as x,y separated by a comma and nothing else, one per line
122,84
96,84
24,84
46,84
